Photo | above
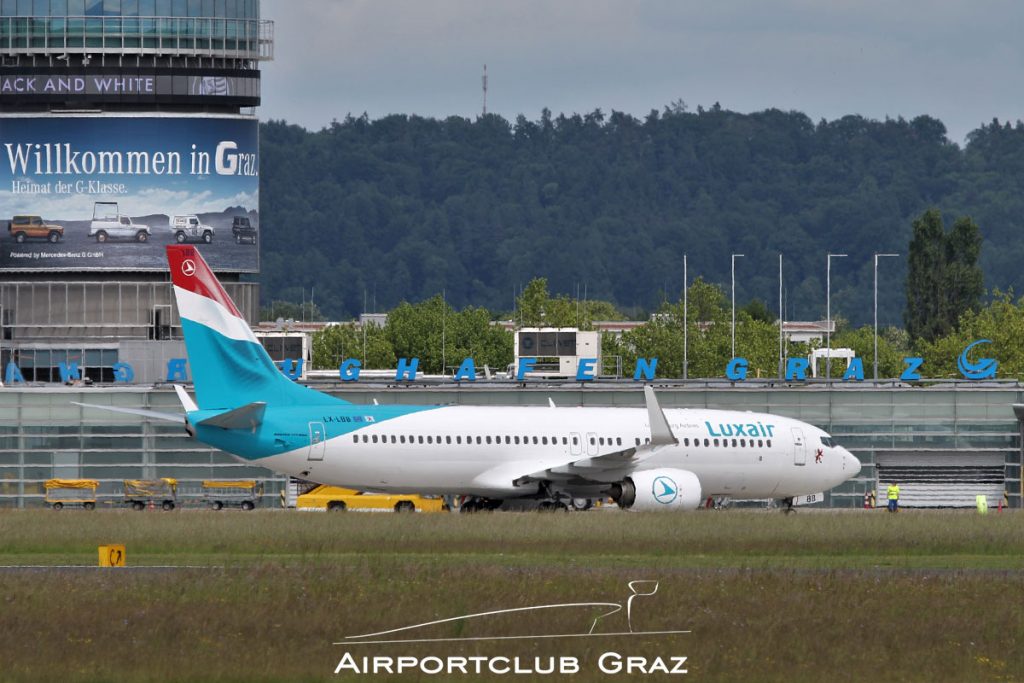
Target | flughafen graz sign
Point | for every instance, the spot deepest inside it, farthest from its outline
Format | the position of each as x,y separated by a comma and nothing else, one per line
735,370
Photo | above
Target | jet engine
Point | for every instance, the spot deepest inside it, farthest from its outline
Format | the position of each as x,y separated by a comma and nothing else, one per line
658,490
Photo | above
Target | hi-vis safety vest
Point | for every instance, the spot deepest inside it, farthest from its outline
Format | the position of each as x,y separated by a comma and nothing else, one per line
894,492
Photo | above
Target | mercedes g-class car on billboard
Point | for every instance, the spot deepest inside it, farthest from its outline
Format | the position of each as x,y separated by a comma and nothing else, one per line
109,223
24,228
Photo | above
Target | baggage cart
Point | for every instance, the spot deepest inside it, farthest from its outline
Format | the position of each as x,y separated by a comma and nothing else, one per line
74,492
241,494
140,493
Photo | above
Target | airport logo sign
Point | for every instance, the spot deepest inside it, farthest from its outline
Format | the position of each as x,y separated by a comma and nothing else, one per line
602,620
985,368
664,490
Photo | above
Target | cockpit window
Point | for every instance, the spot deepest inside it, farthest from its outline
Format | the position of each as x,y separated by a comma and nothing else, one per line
827,440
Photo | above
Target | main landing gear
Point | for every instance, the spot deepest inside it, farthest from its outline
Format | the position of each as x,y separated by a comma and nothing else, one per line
788,503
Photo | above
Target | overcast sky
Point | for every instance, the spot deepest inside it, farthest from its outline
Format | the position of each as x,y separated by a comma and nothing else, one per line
957,60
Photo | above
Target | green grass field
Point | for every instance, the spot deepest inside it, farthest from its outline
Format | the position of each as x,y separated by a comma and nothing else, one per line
817,596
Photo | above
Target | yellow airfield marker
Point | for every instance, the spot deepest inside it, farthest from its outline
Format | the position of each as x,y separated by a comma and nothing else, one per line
112,555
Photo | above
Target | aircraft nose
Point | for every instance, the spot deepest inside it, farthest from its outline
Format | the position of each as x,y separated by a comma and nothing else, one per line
851,465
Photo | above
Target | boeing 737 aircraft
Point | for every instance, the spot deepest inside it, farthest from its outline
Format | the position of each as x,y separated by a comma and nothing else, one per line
645,458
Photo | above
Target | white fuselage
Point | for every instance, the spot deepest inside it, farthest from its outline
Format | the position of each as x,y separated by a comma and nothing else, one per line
487,451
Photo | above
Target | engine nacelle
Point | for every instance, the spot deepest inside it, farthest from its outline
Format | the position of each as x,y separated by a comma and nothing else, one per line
658,490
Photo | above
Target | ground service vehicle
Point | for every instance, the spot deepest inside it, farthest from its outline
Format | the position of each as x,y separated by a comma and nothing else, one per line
138,493
243,230
241,494
190,229
23,228
61,492
108,223
337,499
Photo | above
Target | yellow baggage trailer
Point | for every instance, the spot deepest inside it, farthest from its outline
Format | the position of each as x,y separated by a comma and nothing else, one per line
138,493
76,492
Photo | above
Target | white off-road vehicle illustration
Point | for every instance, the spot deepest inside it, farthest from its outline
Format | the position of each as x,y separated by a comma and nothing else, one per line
190,229
108,223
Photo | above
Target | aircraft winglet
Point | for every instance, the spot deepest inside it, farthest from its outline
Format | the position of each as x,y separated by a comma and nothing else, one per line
661,433
186,401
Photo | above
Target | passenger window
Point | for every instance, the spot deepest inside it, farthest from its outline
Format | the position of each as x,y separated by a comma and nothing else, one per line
575,441
686,442
447,439
760,443
517,440
355,438
769,442
618,441
734,443
458,439
488,440
706,443
716,442
743,443
430,439
565,441
544,440
394,439
592,441
478,441
535,441
638,441
420,439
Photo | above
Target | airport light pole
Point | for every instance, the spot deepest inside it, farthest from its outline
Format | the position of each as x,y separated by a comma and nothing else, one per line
781,318
877,256
686,316
828,314
734,257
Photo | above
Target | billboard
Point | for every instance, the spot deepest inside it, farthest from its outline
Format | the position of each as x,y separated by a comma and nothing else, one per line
97,192
82,86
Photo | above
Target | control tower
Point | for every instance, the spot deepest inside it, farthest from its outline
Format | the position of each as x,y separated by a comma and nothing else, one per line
125,125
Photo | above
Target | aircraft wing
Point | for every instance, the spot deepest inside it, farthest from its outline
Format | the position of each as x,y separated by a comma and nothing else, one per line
609,467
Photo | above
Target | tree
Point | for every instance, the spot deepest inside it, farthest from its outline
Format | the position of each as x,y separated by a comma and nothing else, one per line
944,280
536,308
368,343
442,338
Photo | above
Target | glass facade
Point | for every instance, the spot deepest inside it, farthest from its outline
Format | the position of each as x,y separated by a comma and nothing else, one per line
966,427
162,26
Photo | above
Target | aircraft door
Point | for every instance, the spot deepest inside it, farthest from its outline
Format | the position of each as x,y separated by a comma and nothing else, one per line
799,449
591,443
317,441
575,443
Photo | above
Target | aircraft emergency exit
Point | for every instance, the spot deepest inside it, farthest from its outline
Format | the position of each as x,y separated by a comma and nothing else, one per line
645,458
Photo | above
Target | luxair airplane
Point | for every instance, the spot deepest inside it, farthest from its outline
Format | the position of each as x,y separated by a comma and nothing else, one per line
645,458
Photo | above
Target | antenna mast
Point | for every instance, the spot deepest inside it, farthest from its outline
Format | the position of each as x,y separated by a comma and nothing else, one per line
485,89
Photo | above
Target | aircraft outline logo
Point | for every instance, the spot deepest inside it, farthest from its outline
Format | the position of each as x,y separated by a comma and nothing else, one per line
985,368
637,588
669,491
188,267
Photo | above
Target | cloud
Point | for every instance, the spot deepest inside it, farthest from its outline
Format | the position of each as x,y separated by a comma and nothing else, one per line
947,58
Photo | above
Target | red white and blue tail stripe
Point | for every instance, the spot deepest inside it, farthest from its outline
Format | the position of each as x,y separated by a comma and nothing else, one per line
229,366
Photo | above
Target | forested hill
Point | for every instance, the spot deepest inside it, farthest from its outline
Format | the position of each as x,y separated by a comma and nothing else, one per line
404,207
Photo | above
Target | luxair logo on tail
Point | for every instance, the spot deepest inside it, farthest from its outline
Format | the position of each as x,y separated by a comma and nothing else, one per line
985,368
664,490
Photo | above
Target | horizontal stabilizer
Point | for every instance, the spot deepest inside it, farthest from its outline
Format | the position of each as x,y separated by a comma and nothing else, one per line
142,412
249,416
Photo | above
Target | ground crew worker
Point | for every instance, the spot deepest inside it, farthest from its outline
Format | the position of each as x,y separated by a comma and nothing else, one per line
894,497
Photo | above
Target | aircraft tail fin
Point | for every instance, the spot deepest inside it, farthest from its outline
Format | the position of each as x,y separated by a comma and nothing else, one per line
229,366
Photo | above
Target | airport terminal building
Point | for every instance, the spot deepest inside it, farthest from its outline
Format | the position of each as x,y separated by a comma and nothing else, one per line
126,125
